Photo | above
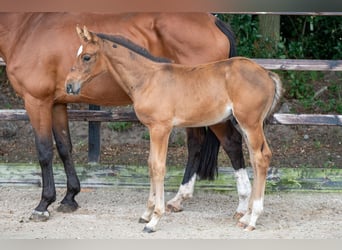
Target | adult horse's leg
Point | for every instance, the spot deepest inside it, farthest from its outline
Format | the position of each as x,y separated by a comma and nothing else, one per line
64,147
39,112
231,141
202,161
195,138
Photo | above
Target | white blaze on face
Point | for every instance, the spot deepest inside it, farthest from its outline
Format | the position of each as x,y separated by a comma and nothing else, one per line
79,51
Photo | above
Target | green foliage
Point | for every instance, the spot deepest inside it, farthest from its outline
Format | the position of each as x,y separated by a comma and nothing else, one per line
335,98
245,28
146,135
301,37
333,102
250,42
306,37
120,126
315,37
299,84
3,75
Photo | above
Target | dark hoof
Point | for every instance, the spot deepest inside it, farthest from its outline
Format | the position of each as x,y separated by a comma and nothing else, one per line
66,208
38,216
148,230
141,220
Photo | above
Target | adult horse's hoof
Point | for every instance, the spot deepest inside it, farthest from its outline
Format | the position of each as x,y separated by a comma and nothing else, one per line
142,220
38,216
148,230
67,208
238,216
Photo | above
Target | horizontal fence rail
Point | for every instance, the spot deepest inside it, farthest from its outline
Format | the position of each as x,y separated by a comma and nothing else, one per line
286,13
300,64
289,64
109,116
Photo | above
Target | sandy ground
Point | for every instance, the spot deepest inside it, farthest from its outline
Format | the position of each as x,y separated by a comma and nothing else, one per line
112,213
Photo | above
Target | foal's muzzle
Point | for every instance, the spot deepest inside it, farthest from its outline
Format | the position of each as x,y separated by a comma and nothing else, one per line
72,88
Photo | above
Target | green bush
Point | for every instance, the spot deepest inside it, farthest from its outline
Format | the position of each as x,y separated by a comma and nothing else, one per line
312,37
301,37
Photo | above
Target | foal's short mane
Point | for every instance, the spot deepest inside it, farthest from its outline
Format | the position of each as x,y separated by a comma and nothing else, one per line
132,46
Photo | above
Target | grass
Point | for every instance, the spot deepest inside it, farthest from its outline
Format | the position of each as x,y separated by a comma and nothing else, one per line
289,179
120,126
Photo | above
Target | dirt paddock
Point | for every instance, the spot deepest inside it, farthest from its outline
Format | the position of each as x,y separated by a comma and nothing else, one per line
113,213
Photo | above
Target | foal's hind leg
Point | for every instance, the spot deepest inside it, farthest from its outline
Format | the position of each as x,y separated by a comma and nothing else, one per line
260,155
64,148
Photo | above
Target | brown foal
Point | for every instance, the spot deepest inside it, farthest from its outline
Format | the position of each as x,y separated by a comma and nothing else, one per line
165,95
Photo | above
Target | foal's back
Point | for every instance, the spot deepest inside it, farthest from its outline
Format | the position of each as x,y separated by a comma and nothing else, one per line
207,94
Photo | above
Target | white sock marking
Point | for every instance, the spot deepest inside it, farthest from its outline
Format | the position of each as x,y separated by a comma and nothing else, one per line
258,207
244,189
185,192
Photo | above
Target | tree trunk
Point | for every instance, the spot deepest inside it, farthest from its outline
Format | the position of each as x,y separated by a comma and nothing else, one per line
269,28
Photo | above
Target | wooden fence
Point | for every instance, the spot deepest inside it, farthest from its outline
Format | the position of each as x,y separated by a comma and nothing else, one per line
95,116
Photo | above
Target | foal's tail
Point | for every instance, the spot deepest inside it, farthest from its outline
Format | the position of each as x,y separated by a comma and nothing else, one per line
278,91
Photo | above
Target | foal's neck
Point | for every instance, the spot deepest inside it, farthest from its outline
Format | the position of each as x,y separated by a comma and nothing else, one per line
128,68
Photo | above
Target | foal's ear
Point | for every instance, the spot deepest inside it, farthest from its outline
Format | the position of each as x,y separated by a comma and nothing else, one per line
85,35
81,34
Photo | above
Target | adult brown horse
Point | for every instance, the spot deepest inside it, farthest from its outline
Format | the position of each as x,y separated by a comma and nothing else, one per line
39,48
167,95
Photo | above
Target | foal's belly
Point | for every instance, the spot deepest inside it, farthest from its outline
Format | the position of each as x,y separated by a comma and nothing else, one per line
204,117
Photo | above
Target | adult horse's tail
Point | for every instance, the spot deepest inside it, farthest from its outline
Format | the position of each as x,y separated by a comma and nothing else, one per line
207,165
225,28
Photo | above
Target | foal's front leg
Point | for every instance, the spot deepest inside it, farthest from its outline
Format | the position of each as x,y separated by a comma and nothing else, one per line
159,137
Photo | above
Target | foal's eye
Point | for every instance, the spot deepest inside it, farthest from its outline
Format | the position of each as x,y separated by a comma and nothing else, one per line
86,58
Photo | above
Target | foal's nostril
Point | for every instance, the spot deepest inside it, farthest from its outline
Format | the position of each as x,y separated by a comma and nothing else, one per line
69,89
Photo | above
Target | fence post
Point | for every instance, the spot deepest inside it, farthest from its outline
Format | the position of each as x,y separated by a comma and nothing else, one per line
94,144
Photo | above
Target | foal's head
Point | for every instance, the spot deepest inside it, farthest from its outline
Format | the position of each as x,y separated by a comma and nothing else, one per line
89,62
